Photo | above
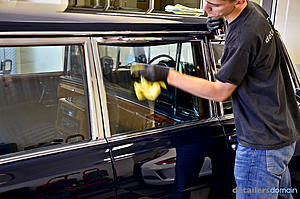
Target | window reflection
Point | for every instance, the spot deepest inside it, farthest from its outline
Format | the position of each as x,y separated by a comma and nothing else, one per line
159,6
137,5
218,48
43,101
129,5
298,70
91,3
126,112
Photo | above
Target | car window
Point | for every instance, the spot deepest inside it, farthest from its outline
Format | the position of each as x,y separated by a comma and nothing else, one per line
98,4
132,5
218,48
126,112
44,98
159,6
298,71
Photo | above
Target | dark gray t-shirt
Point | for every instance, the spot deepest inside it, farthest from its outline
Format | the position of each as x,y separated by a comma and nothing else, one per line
265,108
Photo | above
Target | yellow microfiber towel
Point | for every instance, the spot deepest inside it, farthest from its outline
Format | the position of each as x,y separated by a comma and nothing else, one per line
180,9
148,90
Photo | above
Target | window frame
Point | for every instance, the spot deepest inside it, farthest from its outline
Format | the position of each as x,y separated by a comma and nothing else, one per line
219,105
95,115
102,41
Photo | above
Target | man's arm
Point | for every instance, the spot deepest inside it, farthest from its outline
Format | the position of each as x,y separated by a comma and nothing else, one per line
217,91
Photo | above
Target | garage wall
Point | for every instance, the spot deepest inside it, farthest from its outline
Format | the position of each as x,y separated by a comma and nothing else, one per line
287,22
35,5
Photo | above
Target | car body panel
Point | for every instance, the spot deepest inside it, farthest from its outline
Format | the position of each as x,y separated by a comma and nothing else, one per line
154,148
60,174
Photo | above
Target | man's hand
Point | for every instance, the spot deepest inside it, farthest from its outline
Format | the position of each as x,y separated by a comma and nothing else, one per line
214,24
150,72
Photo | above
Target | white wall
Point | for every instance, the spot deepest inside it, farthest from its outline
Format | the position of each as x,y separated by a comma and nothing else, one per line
38,5
287,22
40,59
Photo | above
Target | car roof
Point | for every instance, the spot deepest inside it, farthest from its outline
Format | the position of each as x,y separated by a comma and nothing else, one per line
101,21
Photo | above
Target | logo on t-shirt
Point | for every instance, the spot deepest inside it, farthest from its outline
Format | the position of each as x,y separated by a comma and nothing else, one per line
270,36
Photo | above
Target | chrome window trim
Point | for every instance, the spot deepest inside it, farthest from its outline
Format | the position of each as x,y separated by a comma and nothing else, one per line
174,127
95,122
42,41
101,87
95,33
208,74
214,71
273,11
101,40
94,101
43,152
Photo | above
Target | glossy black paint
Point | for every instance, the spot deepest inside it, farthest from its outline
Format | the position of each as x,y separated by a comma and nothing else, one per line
192,144
27,21
61,175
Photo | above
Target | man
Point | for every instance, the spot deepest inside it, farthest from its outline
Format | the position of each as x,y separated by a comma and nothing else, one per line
266,113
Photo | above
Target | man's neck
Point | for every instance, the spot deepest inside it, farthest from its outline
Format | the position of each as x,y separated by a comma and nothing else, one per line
236,12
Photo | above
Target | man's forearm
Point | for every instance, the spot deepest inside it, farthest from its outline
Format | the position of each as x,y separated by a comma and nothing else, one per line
200,87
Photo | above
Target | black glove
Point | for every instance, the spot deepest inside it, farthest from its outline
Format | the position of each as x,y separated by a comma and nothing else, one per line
214,24
152,72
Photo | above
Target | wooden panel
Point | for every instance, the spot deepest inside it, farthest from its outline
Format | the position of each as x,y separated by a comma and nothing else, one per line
125,116
71,112
67,89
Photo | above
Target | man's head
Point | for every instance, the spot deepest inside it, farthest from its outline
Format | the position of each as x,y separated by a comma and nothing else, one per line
229,9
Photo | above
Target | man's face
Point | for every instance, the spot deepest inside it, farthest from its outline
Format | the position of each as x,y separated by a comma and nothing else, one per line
219,8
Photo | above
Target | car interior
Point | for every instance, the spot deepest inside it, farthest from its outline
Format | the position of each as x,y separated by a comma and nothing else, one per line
44,102
172,105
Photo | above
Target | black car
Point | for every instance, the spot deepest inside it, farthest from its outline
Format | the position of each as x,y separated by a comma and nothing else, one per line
71,125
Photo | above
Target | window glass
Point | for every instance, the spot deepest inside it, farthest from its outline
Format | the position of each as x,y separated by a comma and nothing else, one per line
24,60
126,112
159,6
218,48
43,100
298,70
137,5
129,5
87,3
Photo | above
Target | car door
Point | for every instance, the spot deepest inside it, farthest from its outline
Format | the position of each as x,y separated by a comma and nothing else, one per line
166,147
51,133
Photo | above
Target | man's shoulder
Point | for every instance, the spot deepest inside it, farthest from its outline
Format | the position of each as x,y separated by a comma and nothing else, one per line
250,32
242,38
